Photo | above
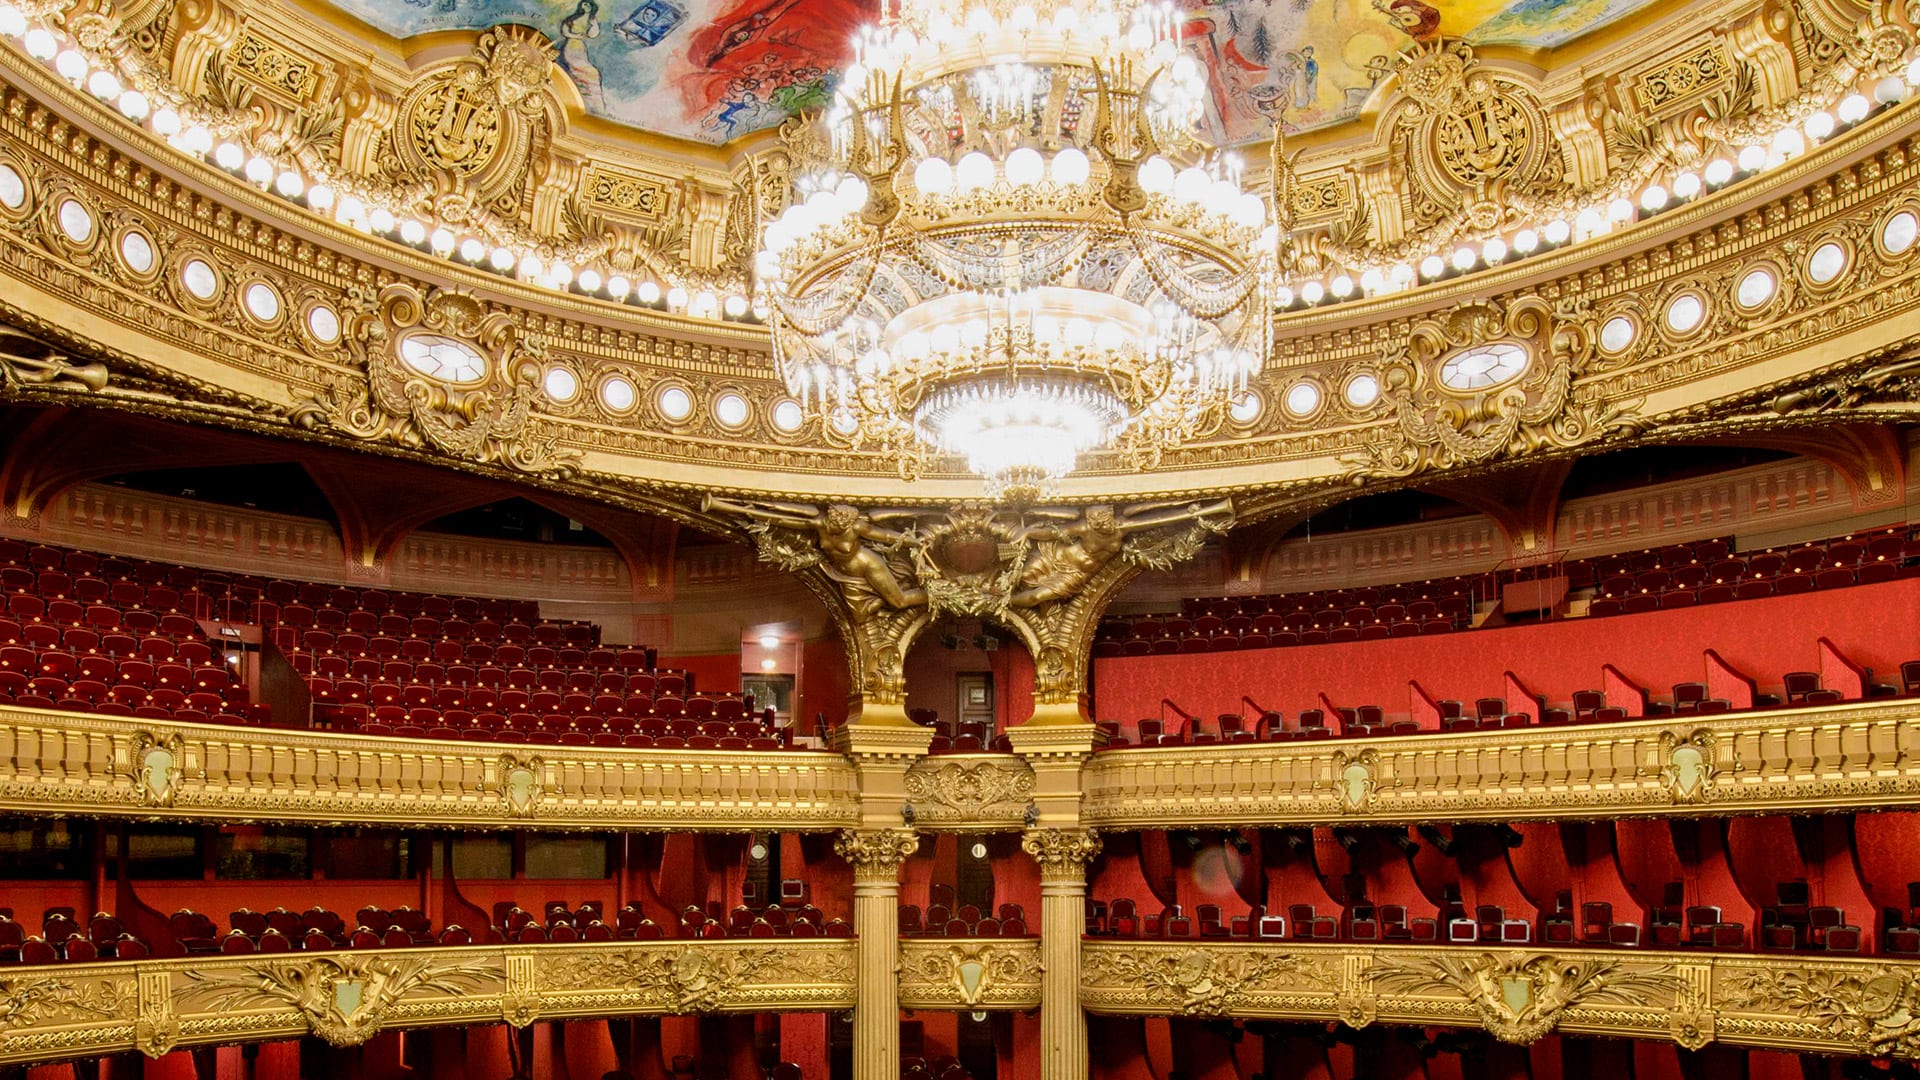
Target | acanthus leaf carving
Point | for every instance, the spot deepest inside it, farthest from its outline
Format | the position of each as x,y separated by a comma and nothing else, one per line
1876,1011
1198,981
962,791
344,998
1521,995
485,419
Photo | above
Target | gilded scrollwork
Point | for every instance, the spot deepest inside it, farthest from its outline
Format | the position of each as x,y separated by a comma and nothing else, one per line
30,999
155,765
1687,766
1202,981
439,370
1520,995
1044,572
1875,1011
876,854
345,999
1437,426
946,791
703,977
1063,854
970,973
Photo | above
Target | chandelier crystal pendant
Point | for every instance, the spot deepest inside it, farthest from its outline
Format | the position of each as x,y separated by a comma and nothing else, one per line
1004,242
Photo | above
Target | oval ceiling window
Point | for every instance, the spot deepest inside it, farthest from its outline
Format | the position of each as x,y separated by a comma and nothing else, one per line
13,188
618,394
675,403
1685,313
1483,366
1302,398
200,279
136,251
560,384
262,302
1618,333
1363,390
788,416
443,358
1756,288
76,221
1826,263
1246,408
1898,234
324,324
731,410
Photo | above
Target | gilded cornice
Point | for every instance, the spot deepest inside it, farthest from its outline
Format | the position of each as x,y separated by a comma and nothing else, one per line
1809,1002
1803,760
52,1012
84,765
164,349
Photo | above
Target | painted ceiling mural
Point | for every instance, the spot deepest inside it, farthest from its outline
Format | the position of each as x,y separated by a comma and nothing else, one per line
714,70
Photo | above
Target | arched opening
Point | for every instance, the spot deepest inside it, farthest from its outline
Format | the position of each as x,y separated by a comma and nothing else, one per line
971,679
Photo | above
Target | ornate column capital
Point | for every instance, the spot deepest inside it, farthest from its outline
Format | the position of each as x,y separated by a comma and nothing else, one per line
1062,853
876,854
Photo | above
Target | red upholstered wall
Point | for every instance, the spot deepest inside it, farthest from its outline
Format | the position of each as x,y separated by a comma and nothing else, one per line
1874,625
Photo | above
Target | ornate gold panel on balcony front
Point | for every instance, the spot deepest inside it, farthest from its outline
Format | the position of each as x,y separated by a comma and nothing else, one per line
1785,761
1811,1002
69,763
347,997
970,973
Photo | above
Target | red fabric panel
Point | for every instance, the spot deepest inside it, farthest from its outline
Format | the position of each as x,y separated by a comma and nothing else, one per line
281,1060
1016,1057
1596,868
549,1057
916,875
1211,875
1837,878
1725,682
1702,847
1520,699
1421,707
487,1057
216,898
1839,673
1764,852
1876,625
1016,878
711,672
803,1041
1160,1052
589,1048
1885,843
1390,878
1541,866
1647,859
1117,1047
939,1034
1485,877
823,685
28,899
1435,871
1156,866
1624,692
1657,1061
1772,1065
1013,679
1117,874
1201,1054
1292,878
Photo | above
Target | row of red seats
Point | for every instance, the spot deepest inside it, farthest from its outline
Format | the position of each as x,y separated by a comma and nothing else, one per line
294,621
967,920
562,729
950,737
358,650
492,677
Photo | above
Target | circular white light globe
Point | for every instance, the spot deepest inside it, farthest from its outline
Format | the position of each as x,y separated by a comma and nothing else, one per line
1312,292
472,250
1464,258
1557,231
1789,142
135,106
1817,125
1686,185
1156,175
1854,108
1025,167
851,194
1753,159
933,176
1493,251
104,85
1718,171
1070,167
1192,185
590,280
975,171
1432,266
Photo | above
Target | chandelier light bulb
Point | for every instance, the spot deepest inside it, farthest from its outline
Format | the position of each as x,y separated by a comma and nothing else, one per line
1432,267
1718,172
104,85
1192,185
933,176
1070,167
974,172
1283,297
1686,185
1854,108
40,44
1156,175
1558,231
71,65
1025,167
229,156
135,106
443,242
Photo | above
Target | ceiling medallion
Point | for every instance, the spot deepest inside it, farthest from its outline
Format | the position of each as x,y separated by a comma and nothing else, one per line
1004,242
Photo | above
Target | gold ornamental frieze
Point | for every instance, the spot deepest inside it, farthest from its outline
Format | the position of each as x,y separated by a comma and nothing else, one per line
1814,759
1809,1001
80,764
970,973
349,996
970,791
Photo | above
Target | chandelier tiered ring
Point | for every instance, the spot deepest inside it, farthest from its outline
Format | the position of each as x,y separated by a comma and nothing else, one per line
1003,242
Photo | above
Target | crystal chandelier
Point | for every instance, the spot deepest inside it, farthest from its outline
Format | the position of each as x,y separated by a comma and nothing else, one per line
1004,242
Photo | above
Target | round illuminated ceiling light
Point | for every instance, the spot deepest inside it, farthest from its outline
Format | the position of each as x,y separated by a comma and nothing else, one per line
731,410
1302,398
76,221
443,358
1685,313
1617,333
136,251
788,416
262,302
1246,408
560,384
675,403
323,324
1756,288
13,188
200,279
618,394
1363,390
1483,366
1826,263
1898,234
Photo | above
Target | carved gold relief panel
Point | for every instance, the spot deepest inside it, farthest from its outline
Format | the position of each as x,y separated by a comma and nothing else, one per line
970,973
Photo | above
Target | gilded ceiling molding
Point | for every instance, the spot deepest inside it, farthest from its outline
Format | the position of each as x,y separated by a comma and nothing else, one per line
161,770
1809,1002
402,339
1045,572
1759,762
53,1012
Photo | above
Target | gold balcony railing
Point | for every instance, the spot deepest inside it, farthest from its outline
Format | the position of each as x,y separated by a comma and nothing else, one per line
79,764
347,997
970,973
1812,1002
1839,757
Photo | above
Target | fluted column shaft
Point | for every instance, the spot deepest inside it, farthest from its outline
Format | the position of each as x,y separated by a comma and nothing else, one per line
876,856
1063,855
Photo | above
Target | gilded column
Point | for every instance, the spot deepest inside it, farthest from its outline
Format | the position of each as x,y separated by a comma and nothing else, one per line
876,855
1063,855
